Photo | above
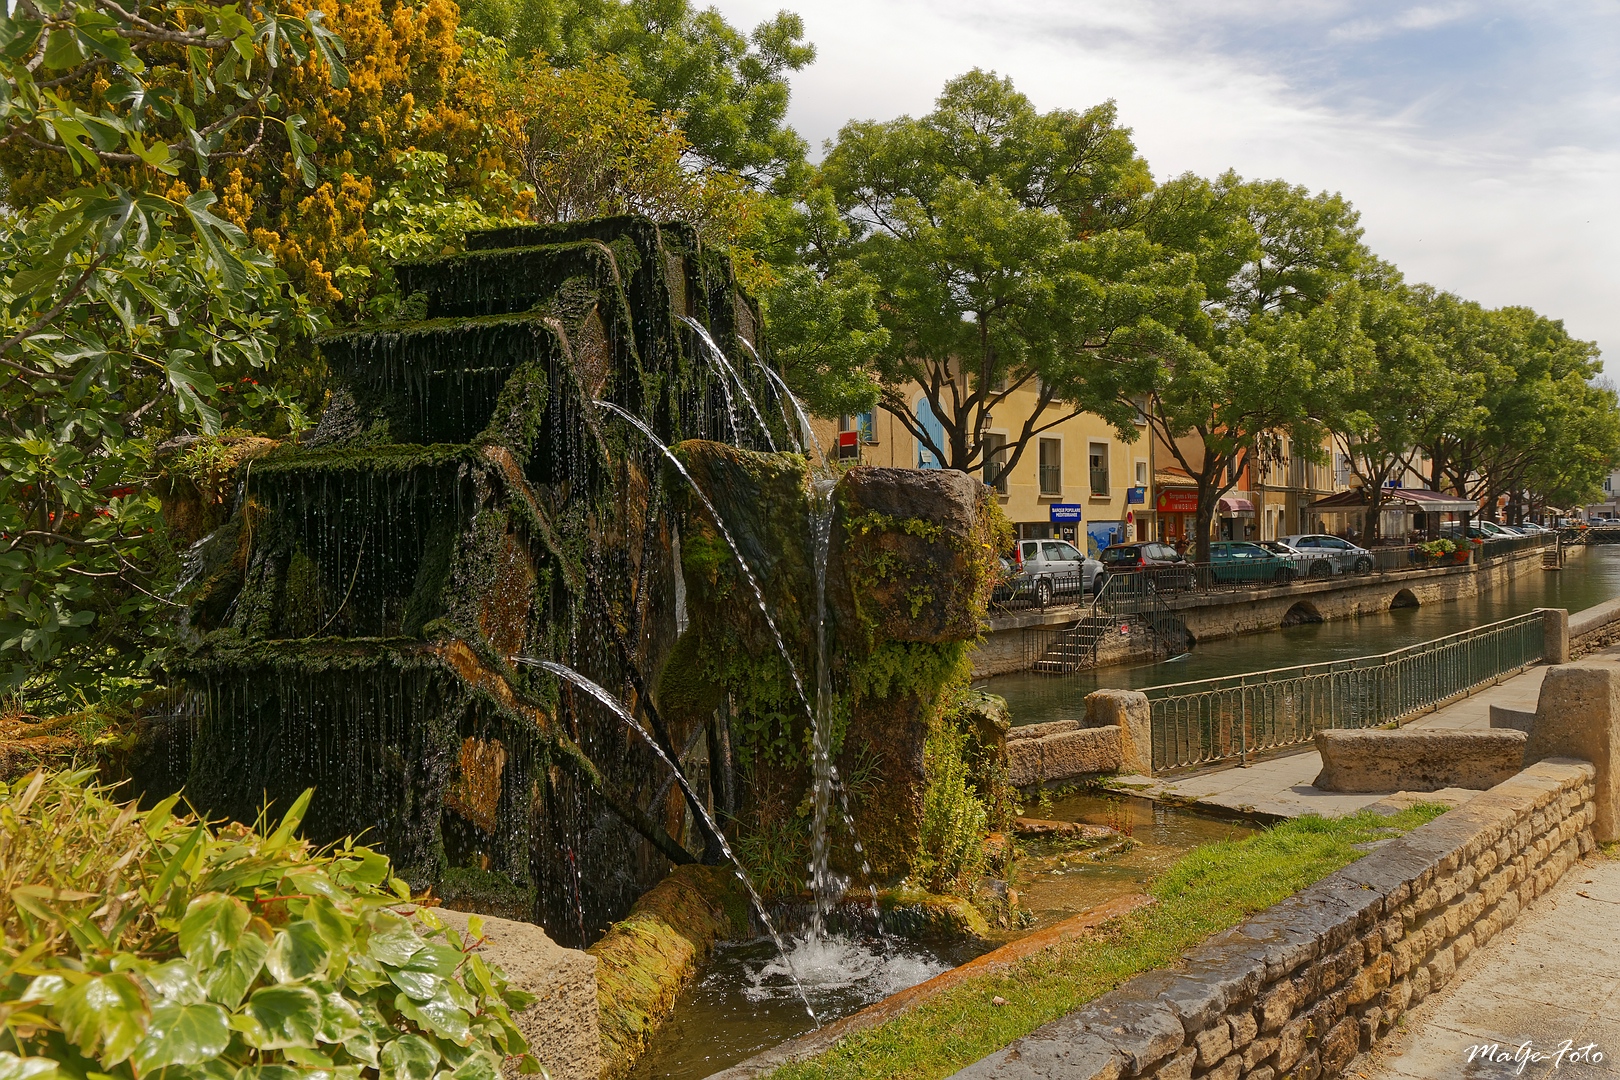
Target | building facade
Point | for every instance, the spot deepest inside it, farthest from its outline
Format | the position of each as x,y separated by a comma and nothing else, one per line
1078,481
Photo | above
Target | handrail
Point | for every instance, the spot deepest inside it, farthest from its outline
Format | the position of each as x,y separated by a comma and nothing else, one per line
1234,715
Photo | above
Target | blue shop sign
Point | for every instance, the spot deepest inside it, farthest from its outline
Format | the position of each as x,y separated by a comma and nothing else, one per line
1136,495
1065,512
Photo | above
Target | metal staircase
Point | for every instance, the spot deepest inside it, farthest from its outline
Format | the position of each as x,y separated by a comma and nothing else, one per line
1128,606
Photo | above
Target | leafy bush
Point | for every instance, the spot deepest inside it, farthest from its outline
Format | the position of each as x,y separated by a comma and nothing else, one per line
136,944
955,821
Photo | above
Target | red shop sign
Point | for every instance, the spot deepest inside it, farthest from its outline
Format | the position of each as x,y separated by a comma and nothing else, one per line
1178,501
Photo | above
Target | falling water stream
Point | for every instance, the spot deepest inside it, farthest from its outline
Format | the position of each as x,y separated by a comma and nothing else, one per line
719,357
624,714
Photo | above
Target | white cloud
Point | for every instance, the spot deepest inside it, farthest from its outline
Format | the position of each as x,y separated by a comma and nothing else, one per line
1482,164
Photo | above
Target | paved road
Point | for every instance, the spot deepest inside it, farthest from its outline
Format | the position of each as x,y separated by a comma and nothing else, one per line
1551,978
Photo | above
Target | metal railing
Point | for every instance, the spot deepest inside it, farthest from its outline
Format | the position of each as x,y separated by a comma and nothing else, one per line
1232,717
1120,614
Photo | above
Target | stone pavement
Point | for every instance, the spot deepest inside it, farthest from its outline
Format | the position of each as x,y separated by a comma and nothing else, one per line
1552,977
1280,784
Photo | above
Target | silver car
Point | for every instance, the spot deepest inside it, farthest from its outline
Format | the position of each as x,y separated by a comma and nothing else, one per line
1346,557
1049,567
1307,563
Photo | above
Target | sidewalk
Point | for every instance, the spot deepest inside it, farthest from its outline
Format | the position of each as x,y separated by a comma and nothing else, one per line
1280,784
1552,977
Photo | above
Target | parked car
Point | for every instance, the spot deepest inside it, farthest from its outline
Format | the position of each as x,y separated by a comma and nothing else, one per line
1049,568
1306,563
1239,560
1347,558
1168,570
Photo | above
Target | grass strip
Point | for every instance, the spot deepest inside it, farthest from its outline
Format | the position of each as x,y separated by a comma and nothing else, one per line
1210,889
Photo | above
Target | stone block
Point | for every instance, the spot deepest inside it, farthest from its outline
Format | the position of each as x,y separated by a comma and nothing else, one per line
1339,1046
1226,1070
1511,719
1021,732
1417,760
1023,762
1264,1072
1555,636
561,1025
1578,716
1292,1042
1441,968
1074,754
1214,1044
1054,1050
1129,711
1370,980
1309,1068
1259,1050
1278,1004
1244,1028
1179,1067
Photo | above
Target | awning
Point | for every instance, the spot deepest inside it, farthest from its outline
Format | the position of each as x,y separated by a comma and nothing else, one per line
1229,507
1420,500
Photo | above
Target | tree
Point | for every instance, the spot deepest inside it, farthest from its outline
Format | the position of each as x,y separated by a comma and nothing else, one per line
1264,352
127,303
1394,386
1584,447
729,89
588,146
992,239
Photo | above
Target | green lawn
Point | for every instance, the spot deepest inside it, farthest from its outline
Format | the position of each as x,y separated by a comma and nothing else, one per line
1210,889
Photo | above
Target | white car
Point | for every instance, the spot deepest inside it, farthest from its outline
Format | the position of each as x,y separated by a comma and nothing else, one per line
1346,557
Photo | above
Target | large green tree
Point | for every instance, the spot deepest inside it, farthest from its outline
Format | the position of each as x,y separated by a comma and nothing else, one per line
1264,355
1393,386
998,246
128,308
729,88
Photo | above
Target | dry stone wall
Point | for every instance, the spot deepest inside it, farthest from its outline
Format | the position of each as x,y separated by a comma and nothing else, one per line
1299,990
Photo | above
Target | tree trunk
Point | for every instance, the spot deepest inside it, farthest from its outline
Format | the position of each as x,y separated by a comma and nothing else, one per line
1206,520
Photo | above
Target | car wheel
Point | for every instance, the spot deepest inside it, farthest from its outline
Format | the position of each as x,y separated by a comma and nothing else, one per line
1364,565
1043,592
1321,568
1283,575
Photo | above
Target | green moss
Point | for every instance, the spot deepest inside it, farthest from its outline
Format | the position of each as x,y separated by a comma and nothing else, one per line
950,855
486,892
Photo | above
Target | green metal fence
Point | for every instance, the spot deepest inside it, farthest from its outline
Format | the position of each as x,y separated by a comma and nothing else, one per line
1231,717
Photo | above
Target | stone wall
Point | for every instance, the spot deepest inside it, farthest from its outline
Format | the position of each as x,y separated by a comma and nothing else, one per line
1301,988
1597,627
1058,751
1007,647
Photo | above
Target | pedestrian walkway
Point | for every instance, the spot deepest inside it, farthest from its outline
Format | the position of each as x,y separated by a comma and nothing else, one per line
1550,981
1280,784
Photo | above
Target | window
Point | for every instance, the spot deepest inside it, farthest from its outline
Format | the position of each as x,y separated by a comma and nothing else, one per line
1099,468
995,461
1607,482
866,424
1141,474
1052,467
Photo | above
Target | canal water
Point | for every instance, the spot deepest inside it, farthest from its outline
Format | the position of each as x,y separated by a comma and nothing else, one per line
1590,576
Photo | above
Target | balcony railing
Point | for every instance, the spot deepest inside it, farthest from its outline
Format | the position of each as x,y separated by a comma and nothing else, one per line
1099,481
1052,480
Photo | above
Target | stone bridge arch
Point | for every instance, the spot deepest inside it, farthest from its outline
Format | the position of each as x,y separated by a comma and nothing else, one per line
1406,598
1302,613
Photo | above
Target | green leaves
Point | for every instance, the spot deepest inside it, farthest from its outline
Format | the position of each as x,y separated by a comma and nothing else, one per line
213,925
182,1035
255,963
104,1017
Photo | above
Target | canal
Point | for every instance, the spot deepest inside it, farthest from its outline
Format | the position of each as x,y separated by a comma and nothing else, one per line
1590,576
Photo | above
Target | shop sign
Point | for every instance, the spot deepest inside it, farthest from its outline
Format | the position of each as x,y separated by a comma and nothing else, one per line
1065,512
1136,495
1178,501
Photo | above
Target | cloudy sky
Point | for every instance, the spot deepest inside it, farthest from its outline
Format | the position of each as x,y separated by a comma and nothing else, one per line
1479,139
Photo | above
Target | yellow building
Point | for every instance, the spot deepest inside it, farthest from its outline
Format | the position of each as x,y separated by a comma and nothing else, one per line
1077,481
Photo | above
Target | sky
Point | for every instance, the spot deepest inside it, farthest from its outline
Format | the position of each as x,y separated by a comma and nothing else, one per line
1480,140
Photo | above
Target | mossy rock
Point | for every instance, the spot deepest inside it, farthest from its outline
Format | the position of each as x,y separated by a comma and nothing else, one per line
646,959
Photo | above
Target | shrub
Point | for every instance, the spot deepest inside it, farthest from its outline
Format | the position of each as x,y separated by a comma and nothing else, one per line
157,943
954,818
